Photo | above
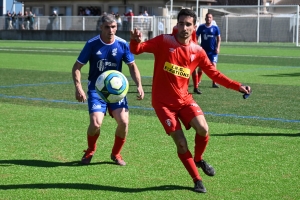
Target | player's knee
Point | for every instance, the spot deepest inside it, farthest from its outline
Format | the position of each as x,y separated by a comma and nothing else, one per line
123,124
201,130
182,146
95,126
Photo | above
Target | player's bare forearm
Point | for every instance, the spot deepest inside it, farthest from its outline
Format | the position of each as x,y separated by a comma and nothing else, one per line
218,44
136,77
76,75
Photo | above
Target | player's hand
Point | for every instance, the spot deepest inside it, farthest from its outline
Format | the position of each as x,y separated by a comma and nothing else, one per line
80,95
246,90
140,94
136,35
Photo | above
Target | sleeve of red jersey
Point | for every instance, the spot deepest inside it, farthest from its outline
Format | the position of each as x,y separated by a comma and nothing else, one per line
149,46
209,69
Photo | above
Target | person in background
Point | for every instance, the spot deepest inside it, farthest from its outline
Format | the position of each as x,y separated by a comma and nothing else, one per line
160,27
146,23
129,16
105,52
210,42
9,20
54,20
119,21
175,58
21,21
14,20
31,20
27,20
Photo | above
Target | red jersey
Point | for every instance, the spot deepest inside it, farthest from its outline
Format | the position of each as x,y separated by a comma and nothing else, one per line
173,66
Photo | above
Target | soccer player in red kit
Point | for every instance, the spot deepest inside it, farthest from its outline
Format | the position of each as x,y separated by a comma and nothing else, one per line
176,57
196,75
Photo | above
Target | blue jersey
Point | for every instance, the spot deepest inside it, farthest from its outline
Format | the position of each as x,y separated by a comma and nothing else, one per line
103,57
208,37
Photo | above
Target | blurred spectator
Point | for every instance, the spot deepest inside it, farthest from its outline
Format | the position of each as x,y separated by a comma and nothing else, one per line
146,24
140,20
31,21
87,11
20,21
14,19
145,13
119,22
9,20
81,11
129,18
53,21
26,21
97,11
160,27
125,23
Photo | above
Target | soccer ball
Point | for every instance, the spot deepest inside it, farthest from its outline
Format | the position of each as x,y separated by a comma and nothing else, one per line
112,86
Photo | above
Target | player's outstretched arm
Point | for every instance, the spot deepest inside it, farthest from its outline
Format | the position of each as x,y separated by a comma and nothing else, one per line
136,77
76,75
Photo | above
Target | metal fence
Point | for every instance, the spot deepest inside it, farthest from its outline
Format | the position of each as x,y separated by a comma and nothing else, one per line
267,24
157,24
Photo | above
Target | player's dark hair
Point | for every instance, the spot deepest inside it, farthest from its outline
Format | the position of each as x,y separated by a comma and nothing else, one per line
187,12
109,18
208,14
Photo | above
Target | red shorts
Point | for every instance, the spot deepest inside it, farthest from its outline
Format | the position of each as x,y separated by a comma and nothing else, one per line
169,117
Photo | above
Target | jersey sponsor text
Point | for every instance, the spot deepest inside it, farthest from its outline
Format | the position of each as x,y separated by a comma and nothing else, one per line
177,70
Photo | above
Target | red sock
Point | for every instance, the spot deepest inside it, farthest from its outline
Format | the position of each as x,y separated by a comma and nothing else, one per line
92,141
200,145
199,76
119,142
195,79
189,164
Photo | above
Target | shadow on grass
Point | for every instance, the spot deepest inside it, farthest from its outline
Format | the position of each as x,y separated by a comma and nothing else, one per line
259,134
43,163
284,75
85,186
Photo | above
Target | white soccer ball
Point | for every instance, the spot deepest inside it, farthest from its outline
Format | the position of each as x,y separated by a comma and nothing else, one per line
112,86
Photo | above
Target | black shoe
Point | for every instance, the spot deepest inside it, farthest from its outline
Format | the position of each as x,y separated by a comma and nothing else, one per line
197,91
207,169
215,85
118,160
199,187
87,157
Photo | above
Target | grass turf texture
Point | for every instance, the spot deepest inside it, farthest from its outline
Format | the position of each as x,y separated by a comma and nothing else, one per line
254,144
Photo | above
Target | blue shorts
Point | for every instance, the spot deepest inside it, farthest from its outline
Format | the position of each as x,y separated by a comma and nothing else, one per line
96,104
213,57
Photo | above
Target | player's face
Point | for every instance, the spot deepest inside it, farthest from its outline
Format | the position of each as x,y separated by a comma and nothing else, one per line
108,30
208,19
185,26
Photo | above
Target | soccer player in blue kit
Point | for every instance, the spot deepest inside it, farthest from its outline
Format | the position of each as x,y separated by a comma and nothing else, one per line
210,41
105,52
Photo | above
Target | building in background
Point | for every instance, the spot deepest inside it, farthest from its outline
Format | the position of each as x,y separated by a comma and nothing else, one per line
154,7
79,7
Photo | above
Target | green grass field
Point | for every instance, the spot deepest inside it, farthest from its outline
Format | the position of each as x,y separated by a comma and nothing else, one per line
254,144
